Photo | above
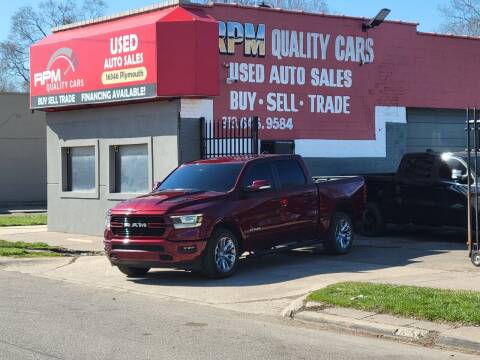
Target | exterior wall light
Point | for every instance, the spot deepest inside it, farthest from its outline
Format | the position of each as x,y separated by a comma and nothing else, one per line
377,20
263,4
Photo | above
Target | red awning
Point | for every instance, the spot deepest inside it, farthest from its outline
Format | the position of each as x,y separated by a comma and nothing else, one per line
169,52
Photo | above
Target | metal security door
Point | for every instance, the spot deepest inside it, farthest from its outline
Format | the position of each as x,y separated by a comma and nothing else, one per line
436,129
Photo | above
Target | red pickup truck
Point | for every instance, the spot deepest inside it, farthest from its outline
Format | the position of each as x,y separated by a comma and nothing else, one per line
207,213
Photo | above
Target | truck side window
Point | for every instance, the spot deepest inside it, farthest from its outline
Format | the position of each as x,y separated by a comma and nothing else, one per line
418,167
290,173
258,171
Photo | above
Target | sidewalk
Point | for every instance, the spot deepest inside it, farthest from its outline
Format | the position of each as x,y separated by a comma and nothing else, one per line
466,338
39,233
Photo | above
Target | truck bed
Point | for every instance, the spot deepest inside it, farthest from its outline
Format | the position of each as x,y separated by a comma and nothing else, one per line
344,191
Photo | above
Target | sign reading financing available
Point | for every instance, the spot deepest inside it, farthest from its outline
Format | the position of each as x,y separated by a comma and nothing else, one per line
304,76
88,69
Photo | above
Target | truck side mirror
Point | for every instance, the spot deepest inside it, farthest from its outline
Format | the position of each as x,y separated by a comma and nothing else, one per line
258,185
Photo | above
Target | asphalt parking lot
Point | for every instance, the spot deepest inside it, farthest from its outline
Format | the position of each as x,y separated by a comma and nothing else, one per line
267,285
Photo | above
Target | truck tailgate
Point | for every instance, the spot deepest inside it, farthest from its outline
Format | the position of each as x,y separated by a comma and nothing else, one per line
344,192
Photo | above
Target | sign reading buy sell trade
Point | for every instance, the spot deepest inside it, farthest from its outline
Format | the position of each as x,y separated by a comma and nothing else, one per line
88,69
305,76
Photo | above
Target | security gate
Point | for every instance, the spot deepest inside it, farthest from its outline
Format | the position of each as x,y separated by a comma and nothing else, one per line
228,137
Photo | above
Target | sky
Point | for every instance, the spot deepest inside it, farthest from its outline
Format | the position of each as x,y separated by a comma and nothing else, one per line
424,12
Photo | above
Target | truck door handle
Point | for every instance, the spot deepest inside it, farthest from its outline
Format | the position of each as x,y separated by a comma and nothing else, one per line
284,202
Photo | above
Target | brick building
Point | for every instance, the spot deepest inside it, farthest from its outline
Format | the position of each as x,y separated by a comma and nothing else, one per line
123,95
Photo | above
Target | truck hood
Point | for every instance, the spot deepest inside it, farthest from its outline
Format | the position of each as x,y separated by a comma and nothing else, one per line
164,201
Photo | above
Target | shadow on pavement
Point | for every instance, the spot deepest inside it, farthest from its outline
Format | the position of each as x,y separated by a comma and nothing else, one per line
400,247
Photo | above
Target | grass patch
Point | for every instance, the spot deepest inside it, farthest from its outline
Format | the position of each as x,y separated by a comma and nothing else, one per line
23,249
406,301
25,245
23,220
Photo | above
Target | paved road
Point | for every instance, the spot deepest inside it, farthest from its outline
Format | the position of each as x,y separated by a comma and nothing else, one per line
49,319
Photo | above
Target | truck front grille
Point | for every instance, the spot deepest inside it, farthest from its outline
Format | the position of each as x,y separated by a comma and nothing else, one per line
139,247
135,226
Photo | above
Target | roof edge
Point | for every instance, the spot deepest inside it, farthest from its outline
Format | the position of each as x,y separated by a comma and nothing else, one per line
169,3
295,11
14,93
449,35
146,9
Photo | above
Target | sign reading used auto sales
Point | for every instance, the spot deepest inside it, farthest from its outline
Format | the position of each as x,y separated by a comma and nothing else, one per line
290,44
110,67
301,75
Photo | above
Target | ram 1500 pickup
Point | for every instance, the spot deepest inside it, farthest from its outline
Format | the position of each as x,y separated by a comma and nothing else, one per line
428,188
206,213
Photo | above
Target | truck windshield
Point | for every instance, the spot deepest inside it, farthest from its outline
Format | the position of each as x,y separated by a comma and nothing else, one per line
203,177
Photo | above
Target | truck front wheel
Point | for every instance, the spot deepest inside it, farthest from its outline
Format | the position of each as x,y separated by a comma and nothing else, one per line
475,258
221,255
339,239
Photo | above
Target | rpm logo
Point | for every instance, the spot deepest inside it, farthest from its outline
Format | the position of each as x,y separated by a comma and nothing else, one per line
233,33
60,64
47,76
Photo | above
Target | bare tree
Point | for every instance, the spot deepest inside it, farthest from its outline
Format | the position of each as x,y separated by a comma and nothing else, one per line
28,25
6,85
461,17
307,5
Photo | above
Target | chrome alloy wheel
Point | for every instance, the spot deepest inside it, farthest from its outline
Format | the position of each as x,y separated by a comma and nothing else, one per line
476,258
343,233
225,254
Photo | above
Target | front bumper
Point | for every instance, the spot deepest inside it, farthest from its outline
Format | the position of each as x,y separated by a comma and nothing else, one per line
154,253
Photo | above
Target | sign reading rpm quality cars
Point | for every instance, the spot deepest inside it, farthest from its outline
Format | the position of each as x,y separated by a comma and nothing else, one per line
110,67
302,77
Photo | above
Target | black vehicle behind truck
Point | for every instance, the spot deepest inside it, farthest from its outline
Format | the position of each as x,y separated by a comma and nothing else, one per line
428,189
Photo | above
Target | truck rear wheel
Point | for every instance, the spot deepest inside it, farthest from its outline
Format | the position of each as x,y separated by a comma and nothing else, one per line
339,239
373,223
221,255
133,271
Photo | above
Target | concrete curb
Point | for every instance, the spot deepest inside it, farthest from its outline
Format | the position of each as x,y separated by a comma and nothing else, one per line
294,307
366,326
457,343
445,339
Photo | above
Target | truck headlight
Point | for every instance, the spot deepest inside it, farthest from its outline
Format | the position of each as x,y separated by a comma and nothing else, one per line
187,221
107,219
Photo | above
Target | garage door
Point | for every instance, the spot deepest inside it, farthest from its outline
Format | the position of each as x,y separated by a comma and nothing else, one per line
439,130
